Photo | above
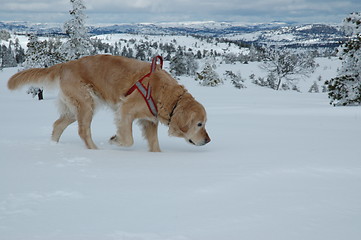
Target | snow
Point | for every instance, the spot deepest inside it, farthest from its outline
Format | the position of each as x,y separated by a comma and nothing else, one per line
281,165
190,42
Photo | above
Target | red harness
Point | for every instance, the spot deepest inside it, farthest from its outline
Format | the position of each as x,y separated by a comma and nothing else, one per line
146,92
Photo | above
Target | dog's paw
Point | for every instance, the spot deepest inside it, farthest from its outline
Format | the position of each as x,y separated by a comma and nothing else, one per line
114,140
117,141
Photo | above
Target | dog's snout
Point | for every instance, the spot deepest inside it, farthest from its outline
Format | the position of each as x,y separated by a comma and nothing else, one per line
207,140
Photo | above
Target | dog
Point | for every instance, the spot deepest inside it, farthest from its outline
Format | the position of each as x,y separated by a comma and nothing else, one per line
109,79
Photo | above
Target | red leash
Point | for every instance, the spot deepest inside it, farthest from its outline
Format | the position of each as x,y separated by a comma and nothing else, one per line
146,92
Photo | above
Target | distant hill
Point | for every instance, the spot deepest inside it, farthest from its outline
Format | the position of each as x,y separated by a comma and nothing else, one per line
288,34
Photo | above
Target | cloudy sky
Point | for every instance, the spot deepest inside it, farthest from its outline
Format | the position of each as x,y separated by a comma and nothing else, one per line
140,11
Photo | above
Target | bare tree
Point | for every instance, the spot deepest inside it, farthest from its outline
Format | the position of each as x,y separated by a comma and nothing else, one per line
285,65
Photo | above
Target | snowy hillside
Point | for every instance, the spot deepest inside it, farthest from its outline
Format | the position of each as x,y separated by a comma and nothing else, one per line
281,165
191,44
309,35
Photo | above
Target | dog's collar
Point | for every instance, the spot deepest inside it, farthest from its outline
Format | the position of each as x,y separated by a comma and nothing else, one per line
174,107
172,112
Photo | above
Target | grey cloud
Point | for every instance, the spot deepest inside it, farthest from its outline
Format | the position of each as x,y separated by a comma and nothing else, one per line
182,10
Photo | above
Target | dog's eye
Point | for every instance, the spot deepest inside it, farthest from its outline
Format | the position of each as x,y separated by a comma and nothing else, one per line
200,124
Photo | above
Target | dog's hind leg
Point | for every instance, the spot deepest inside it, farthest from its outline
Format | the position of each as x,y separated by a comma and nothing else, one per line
84,117
150,133
81,104
66,118
59,126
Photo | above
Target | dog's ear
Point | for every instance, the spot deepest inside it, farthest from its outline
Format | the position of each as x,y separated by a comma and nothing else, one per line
184,129
181,123
185,123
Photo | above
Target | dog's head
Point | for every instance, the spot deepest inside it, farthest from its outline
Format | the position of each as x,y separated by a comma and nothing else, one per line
189,122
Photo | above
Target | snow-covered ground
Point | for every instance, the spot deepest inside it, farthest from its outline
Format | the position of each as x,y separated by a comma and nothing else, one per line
281,166
189,42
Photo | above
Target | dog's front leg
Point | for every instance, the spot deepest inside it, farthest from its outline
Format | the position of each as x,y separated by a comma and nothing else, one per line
124,136
150,132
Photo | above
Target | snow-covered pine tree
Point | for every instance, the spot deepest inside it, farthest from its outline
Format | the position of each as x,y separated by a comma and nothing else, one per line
191,63
140,52
314,88
33,55
19,52
7,56
345,89
208,76
4,35
236,79
42,54
177,65
79,43
183,63
254,54
230,58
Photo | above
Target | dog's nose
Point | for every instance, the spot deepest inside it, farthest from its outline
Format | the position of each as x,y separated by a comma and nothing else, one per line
207,140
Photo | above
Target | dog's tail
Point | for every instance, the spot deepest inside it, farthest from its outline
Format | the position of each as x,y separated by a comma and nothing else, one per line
46,77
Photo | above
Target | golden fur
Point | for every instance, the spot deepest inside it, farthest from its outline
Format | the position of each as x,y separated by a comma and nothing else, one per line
108,78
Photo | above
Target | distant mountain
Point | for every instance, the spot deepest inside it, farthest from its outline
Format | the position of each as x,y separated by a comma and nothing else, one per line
209,28
288,34
307,35
38,28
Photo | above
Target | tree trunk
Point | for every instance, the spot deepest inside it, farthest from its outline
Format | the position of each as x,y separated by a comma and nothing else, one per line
279,84
40,94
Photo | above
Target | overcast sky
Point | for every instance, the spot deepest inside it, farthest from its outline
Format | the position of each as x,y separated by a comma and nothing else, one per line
140,11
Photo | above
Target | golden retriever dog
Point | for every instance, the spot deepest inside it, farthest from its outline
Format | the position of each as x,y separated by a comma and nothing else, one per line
108,79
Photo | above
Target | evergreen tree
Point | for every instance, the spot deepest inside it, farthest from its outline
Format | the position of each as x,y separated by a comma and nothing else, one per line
19,52
236,79
345,89
191,63
230,58
208,76
11,55
183,63
254,54
1,58
124,52
314,88
43,53
130,53
177,64
79,43
31,56
7,56
116,51
199,54
140,54
4,35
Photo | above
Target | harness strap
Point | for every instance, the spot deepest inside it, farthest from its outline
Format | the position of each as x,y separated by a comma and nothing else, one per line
146,92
